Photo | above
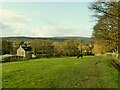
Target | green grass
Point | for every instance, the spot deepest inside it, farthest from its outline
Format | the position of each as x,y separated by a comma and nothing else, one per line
66,72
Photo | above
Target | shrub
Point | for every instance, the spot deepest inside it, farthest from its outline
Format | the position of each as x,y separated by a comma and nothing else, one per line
12,58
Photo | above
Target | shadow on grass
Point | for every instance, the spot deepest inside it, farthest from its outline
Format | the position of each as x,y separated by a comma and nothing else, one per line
115,65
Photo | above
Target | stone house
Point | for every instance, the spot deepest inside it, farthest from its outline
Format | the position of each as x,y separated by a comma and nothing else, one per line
25,51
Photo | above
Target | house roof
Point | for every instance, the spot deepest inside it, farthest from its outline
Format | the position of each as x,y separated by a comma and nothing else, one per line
27,48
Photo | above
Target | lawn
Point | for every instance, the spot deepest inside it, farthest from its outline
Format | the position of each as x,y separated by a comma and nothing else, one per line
66,72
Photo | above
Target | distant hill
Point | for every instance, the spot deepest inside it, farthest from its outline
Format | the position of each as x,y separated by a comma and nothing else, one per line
56,39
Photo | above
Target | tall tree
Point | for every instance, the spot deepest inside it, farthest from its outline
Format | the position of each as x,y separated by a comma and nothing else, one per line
106,28
42,48
6,47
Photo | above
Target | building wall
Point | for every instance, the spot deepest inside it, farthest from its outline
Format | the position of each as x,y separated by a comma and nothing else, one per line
21,52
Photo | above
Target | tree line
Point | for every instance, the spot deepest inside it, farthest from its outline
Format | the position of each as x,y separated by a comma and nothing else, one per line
46,48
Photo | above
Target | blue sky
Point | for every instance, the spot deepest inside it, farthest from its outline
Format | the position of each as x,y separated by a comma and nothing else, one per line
46,19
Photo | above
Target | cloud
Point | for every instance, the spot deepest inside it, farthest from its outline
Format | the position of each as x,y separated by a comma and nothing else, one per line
36,13
13,23
13,16
52,30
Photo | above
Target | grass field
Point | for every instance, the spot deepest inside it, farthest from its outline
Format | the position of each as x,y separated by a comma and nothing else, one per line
66,72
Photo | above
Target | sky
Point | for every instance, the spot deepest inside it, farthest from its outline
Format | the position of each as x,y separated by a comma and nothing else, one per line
46,19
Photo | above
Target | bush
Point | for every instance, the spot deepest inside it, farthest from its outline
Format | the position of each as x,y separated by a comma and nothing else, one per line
12,58
42,56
